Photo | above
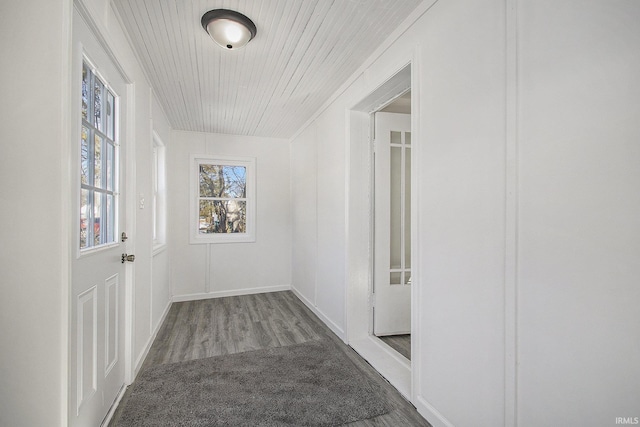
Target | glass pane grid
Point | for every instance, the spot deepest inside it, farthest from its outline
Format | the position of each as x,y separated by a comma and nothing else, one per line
399,276
400,208
98,157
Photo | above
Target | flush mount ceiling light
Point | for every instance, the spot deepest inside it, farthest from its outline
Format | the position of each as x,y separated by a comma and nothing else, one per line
230,29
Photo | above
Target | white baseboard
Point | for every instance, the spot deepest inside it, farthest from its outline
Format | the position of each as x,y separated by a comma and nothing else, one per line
335,328
114,406
147,346
431,414
230,293
389,363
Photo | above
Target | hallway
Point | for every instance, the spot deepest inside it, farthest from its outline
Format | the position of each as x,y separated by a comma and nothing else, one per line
233,325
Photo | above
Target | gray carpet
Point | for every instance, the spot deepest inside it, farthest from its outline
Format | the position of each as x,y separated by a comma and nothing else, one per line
310,384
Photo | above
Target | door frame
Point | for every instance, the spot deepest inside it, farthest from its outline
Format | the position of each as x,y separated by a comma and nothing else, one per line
381,91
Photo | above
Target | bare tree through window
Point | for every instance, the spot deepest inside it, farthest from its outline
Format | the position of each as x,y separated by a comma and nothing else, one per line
223,199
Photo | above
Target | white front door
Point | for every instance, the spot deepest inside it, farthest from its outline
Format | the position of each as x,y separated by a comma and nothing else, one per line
392,229
97,369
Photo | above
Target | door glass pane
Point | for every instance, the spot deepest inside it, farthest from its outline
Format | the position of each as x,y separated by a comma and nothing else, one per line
110,116
97,165
396,137
84,155
223,216
110,224
110,165
395,278
84,220
407,277
86,76
98,160
407,208
395,207
97,218
407,138
98,89
223,181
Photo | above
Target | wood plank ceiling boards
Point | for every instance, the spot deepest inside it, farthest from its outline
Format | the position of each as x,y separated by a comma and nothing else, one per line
303,52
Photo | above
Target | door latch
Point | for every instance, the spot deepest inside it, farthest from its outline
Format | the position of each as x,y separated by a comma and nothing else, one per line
129,258
123,237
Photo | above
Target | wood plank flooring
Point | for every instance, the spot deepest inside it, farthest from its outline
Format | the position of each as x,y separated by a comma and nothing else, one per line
400,343
205,328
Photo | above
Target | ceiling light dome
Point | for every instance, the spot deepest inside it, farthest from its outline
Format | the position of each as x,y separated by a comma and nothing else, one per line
230,29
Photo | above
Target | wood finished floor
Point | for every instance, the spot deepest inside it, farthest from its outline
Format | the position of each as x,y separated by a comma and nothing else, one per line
400,343
213,327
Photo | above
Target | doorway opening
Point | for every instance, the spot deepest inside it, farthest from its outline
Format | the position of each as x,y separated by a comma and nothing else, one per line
380,276
391,290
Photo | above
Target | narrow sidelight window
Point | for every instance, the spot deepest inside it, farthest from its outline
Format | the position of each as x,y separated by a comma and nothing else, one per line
159,192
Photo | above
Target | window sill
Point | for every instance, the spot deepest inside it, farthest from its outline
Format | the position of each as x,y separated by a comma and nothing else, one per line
225,238
82,253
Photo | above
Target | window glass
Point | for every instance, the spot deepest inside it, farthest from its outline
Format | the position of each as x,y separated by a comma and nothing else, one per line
98,157
224,200
400,208
159,192
86,77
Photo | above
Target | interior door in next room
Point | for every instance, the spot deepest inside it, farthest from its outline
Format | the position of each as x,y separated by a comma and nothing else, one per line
392,229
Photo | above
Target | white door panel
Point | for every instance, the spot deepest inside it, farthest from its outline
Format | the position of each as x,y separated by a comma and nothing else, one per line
392,230
97,370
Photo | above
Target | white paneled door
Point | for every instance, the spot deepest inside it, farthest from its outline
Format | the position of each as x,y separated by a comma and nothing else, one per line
97,351
392,230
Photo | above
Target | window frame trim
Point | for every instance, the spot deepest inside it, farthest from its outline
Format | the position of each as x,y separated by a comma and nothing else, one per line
195,237
115,191
159,194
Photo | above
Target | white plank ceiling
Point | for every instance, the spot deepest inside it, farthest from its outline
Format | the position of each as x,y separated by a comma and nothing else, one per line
303,52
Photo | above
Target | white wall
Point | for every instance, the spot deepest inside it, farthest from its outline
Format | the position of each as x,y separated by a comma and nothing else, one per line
161,262
331,221
526,257
304,214
33,199
461,205
152,281
461,209
579,212
209,270
317,187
